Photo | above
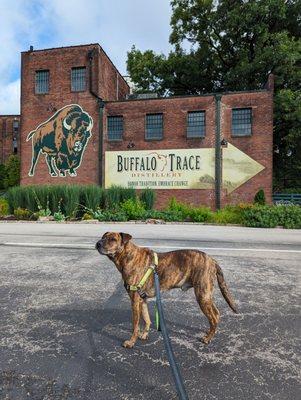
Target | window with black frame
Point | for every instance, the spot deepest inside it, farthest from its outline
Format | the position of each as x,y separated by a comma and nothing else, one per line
115,127
78,79
42,82
154,126
196,124
241,121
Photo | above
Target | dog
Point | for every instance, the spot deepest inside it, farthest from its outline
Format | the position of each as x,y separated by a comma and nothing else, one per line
183,269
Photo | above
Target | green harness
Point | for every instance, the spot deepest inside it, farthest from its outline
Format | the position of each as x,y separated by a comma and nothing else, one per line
138,288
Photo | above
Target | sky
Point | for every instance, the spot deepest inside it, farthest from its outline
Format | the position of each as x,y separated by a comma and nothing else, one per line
115,24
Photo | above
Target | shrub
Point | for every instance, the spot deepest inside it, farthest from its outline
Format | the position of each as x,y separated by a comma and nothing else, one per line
87,216
116,195
228,215
177,208
92,197
22,213
133,209
2,176
260,197
4,208
70,200
201,214
272,216
148,197
12,171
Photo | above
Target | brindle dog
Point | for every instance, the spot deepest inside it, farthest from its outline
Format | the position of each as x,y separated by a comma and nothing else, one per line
176,269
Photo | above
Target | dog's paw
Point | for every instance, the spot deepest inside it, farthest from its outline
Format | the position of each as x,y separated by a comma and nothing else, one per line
143,336
205,339
128,344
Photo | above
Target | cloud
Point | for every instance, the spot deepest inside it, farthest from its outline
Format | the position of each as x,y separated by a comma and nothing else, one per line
115,24
10,98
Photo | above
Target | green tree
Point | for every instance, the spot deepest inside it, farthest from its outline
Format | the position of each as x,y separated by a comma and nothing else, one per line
12,167
234,45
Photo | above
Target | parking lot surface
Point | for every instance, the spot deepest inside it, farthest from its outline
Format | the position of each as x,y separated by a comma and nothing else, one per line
65,313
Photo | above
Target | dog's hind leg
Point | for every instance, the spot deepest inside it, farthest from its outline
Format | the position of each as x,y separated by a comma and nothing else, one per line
210,310
145,315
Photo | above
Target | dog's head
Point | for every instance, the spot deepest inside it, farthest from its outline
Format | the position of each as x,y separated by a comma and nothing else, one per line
112,243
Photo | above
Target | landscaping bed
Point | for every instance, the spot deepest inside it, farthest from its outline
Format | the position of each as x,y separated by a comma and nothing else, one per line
92,203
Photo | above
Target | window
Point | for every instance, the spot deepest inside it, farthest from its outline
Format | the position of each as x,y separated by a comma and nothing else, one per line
42,81
196,124
15,126
15,145
154,126
78,79
115,127
241,121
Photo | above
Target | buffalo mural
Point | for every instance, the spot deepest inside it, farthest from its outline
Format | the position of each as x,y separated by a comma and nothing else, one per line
63,139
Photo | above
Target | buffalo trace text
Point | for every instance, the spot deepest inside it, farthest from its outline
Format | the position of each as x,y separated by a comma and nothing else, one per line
171,162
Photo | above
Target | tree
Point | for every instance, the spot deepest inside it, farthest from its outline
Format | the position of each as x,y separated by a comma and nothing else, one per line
12,168
234,45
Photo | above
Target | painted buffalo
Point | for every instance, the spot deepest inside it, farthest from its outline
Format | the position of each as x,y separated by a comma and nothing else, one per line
63,139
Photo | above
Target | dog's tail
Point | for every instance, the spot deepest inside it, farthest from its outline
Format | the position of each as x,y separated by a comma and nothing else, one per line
224,288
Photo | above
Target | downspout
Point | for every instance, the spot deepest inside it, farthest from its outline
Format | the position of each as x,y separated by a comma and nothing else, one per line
218,153
101,105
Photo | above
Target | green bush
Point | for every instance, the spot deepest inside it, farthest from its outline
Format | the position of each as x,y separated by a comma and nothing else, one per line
260,197
4,208
271,216
2,176
116,195
148,197
133,209
22,213
201,214
92,197
12,171
177,208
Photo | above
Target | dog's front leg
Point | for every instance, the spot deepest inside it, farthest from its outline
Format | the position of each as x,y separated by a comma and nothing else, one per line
136,312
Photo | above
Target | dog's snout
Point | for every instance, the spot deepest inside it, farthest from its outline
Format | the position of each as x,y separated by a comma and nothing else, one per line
98,244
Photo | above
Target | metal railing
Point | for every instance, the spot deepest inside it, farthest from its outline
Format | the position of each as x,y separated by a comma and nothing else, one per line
287,198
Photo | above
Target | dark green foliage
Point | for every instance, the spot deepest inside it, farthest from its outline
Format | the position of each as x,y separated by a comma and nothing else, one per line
92,196
234,46
12,171
116,195
2,176
259,197
148,197
271,216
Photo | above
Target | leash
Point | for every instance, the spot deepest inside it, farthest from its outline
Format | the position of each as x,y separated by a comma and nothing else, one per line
160,324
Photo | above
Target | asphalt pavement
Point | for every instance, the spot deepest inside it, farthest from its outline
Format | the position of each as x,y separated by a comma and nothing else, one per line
64,315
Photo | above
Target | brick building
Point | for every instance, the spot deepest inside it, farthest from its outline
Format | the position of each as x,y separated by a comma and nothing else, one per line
78,113
9,136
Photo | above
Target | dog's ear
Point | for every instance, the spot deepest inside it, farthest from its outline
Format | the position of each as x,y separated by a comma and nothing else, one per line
125,237
105,234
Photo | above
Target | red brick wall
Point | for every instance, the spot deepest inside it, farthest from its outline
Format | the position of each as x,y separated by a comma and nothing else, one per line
37,108
258,146
6,136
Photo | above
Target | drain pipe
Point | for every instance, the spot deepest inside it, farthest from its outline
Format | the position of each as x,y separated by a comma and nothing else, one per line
101,105
218,153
